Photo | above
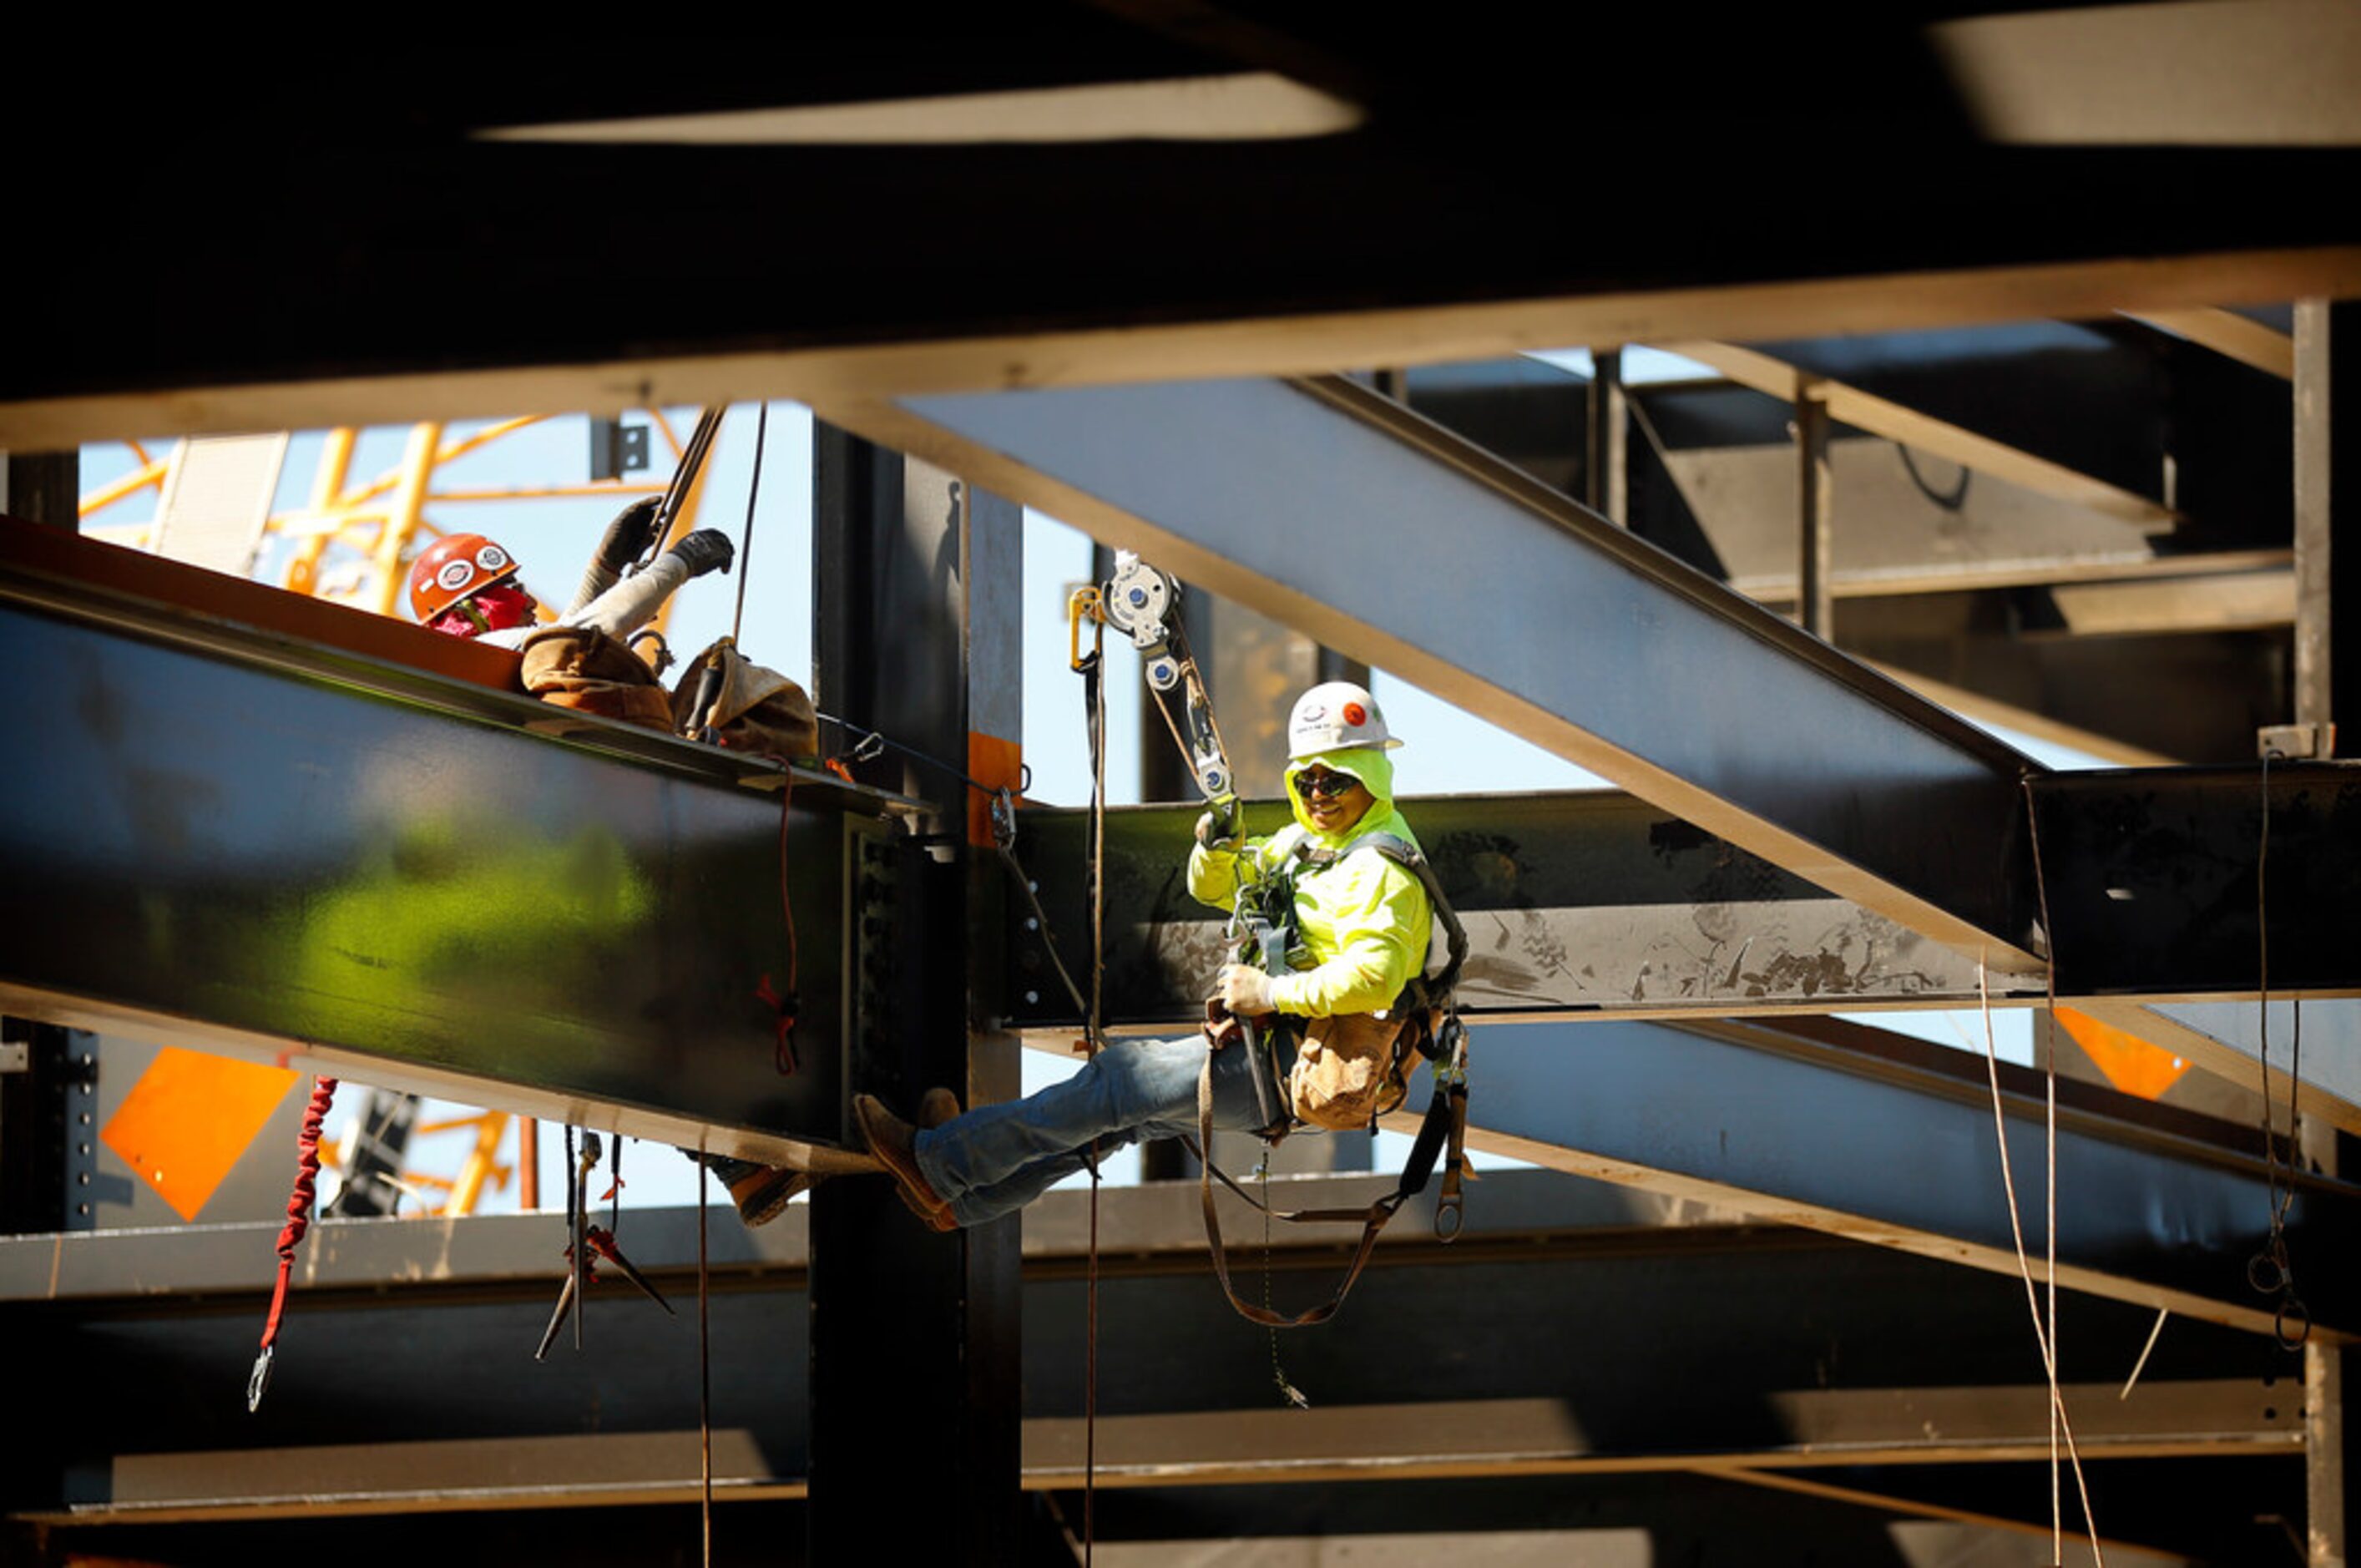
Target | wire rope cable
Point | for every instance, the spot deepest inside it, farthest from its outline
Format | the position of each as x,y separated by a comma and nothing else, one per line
746,539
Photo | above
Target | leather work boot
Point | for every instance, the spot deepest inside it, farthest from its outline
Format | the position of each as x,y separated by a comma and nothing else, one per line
762,1193
937,1106
889,1140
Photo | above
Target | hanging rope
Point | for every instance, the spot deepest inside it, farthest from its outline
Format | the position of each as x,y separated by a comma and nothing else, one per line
704,1373
299,1219
1094,723
746,540
2270,1271
2044,1335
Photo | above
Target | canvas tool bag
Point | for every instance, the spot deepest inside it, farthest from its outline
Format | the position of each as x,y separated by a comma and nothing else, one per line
582,668
1347,1071
756,710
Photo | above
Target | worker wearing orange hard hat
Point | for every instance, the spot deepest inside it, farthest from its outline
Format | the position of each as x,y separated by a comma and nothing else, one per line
464,585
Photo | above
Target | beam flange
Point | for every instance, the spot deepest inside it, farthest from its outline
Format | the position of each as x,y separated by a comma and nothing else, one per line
1456,571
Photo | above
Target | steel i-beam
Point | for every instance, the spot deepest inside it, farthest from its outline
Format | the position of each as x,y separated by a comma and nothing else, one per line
1352,519
222,836
1893,1142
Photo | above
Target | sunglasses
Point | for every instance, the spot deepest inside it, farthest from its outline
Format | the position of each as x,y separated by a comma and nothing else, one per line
1325,786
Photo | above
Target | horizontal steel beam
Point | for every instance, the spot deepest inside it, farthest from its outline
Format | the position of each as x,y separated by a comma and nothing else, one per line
1348,517
2170,881
1805,1428
221,836
1893,1142
1596,905
1562,1295
1587,902
1531,1437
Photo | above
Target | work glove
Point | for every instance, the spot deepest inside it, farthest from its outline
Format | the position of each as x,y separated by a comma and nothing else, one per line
1245,991
628,537
1218,829
707,550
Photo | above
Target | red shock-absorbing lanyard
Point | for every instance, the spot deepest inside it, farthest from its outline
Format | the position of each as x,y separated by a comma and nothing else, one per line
299,1219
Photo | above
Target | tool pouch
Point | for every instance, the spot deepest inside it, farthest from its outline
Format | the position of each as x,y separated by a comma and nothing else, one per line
755,709
1345,1076
582,668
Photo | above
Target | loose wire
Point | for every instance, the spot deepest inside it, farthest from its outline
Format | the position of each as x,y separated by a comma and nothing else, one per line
2057,1419
2032,1296
2271,1271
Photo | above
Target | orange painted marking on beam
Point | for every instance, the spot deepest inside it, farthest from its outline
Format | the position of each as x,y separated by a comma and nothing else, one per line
994,762
189,1118
2131,1064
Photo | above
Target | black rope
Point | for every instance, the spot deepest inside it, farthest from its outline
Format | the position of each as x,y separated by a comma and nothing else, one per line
746,540
1958,495
2271,1271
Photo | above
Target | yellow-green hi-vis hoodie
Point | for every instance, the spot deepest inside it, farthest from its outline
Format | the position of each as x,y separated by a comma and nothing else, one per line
1363,922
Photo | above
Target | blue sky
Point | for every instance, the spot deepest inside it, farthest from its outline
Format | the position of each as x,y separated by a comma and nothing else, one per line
1447,751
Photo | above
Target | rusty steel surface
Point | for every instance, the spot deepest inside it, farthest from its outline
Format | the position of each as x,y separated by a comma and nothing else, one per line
1590,903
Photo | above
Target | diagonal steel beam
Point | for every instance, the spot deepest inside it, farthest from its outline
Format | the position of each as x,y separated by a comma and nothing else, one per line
1892,1142
1343,514
253,843
2226,333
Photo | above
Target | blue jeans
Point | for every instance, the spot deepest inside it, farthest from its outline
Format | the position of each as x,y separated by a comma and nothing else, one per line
997,1158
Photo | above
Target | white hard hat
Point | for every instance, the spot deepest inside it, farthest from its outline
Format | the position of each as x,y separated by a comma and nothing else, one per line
1334,717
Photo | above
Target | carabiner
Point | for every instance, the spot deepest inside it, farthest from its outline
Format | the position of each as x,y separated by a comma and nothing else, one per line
259,1379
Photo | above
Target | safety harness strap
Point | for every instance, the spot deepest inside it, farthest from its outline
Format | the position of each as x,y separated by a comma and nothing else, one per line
1443,1131
1422,992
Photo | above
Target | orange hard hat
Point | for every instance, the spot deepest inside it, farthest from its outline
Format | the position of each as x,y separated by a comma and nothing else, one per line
453,568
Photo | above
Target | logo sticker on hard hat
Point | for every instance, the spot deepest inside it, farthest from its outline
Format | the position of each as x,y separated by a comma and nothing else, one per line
491,558
1355,714
454,574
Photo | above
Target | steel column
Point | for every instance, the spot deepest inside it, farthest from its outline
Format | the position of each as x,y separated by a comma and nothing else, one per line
1480,585
42,487
1606,475
1816,518
913,1334
2315,555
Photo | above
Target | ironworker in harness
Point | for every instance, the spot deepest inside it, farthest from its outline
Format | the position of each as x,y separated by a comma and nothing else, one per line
466,586
1351,930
